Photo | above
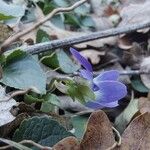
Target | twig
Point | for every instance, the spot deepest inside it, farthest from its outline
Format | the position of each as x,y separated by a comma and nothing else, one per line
84,112
36,25
28,142
46,46
118,135
134,72
128,72
112,147
122,73
116,143
16,93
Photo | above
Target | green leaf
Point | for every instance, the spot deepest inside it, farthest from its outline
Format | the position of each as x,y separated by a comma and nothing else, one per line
47,107
61,3
62,60
14,144
5,17
11,9
29,99
79,124
71,19
22,71
66,63
125,117
51,100
82,10
2,60
48,6
138,85
41,36
42,130
58,20
80,90
50,61
88,22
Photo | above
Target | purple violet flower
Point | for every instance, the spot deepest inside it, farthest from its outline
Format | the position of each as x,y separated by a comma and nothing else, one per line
105,86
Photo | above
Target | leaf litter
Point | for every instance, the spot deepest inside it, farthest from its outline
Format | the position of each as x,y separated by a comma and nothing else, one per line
74,126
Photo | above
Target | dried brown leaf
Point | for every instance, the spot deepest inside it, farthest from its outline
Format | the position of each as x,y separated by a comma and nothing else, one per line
7,129
99,134
5,32
145,66
134,13
133,56
144,105
124,42
93,55
68,143
128,2
97,7
137,134
5,107
102,23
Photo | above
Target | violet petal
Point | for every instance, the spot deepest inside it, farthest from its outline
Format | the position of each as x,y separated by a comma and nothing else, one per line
107,75
110,91
111,105
95,105
86,74
84,62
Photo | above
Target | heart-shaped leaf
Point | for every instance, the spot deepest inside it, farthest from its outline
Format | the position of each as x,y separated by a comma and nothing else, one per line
42,130
22,71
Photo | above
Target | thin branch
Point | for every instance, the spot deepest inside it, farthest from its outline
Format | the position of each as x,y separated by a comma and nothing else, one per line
118,136
84,112
46,46
112,147
42,21
128,72
16,93
116,143
28,142
133,72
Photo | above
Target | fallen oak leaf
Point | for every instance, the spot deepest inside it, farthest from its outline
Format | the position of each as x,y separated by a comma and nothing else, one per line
93,55
99,134
7,129
144,105
135,108
145,66
5,107
134,13
128,2
68,143
137,134
5,32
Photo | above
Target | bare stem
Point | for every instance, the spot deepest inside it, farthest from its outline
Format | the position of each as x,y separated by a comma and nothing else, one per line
118,135
116,143
28,142
128,72
16,93
60,43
